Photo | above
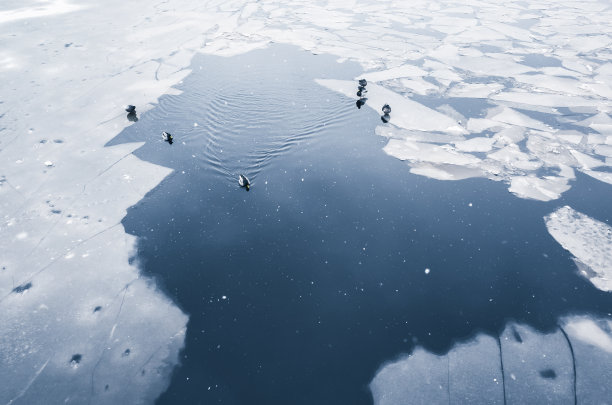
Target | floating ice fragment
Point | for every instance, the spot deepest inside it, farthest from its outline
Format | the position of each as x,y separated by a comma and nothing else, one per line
605,177
589,240
442,171
425,152
539,188
48,163
474,90
394,73
409,114
477,144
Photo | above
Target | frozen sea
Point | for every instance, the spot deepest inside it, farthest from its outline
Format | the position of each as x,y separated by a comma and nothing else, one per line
456,251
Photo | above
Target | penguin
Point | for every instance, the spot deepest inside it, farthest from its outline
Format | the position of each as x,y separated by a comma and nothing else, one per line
244,182
130,108
386,109
363,82
167,137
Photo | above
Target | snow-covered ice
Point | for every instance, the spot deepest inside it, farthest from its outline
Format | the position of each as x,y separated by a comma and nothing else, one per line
80,323
520,366
589,240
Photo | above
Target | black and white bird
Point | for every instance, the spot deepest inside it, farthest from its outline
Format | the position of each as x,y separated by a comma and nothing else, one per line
363,82
386,109
167,137
244,182
130,108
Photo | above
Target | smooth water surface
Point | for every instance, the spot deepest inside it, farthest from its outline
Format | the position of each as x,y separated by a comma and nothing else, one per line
338,259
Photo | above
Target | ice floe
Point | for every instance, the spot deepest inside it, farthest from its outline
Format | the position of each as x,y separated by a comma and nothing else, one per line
589,240
410,114
521,365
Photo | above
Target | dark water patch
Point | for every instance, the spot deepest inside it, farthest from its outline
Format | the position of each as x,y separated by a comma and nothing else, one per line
300,289
589,196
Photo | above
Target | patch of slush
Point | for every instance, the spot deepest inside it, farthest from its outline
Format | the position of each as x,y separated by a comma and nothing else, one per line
521,365
589,240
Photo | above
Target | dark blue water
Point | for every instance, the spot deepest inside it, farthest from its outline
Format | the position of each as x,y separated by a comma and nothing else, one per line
299,289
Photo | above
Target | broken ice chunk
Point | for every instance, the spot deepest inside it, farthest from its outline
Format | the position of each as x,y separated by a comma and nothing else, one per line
589,240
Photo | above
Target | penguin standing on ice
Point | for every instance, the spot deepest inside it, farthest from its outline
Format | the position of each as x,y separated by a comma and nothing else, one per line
131,110
361,91
386,110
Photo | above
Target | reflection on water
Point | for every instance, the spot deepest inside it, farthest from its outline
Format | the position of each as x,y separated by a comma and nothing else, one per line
339,259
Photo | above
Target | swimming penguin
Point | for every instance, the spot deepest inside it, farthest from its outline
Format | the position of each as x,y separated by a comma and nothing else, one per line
130,108
386,109
167,137
363,82
244,182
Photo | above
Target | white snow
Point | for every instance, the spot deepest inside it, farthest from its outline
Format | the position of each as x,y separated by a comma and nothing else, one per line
589,240
521,365
393,73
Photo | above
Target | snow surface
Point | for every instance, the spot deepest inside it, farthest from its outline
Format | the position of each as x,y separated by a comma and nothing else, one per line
589,240
520,366
70,303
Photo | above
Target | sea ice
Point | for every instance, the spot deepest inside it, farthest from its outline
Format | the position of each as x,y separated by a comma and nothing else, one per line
61,233
538,368
522,365
589,240
407,113
592,345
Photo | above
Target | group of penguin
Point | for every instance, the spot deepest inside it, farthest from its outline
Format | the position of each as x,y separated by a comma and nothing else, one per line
243,181
361,92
